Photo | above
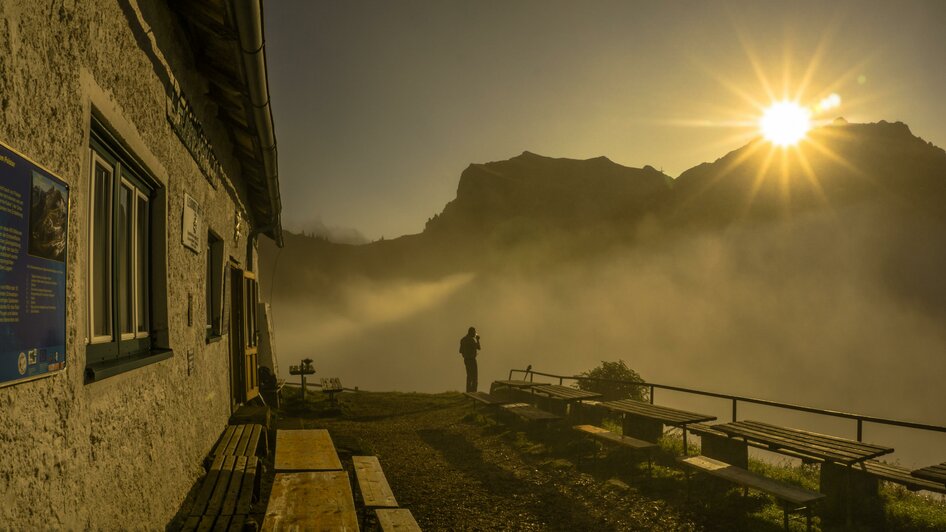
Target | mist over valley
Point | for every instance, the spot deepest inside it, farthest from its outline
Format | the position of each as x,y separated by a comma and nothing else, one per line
811,277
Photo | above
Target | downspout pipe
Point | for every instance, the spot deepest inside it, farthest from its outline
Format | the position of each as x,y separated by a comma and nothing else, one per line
248,16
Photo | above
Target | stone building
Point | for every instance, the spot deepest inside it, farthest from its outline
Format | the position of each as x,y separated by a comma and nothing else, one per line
131,336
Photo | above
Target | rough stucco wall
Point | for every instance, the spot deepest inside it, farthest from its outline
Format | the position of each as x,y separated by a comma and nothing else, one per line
123,452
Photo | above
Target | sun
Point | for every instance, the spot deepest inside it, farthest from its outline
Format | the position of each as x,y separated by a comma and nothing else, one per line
785,123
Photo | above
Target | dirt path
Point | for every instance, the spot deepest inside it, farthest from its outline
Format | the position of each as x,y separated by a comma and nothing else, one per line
460,470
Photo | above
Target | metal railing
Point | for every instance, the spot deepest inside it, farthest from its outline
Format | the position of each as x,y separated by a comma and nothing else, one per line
736,399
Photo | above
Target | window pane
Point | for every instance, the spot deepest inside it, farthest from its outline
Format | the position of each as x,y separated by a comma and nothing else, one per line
209,281
125,258
102,252
144,244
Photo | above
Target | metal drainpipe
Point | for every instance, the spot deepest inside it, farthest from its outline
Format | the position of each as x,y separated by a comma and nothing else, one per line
248,16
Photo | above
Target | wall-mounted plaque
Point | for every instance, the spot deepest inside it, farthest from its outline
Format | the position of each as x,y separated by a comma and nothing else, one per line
191,228
34,229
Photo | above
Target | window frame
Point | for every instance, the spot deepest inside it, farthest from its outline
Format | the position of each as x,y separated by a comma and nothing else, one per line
120,351
215,287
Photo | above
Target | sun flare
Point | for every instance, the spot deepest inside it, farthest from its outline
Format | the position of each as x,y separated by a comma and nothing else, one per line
785,123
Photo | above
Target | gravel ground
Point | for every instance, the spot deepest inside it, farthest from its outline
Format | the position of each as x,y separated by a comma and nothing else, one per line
458,468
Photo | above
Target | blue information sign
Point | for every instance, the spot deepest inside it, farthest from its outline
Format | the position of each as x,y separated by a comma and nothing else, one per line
34,216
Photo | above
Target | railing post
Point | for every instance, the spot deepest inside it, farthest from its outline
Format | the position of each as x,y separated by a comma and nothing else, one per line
860,429
560,381
734,401
651,394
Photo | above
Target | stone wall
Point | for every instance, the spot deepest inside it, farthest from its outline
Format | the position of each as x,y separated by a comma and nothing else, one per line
123,452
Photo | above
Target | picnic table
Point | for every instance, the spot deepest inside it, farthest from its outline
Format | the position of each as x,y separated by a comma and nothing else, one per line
563,395
313,500
821,447
305,450
838,457
933,473
514,386
645,420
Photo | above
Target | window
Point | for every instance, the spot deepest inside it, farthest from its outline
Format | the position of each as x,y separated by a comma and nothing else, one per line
214,288
120,261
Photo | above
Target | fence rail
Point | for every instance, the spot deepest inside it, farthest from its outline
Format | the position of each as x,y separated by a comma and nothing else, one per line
736,399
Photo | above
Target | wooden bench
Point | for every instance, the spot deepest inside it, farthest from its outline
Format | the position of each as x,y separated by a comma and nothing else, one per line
242,440
792,498
485,398
332,386
529,413
718,445
374,488
225,494
608,437
397,520
312,500
898,475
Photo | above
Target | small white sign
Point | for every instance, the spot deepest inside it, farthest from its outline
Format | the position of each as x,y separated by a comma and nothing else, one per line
191,230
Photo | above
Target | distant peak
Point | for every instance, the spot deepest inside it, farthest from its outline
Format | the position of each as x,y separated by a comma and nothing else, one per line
839,121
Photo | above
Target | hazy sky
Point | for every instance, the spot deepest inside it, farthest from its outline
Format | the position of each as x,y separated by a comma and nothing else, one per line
380,105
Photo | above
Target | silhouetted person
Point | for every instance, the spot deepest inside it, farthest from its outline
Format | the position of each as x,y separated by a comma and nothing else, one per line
469,345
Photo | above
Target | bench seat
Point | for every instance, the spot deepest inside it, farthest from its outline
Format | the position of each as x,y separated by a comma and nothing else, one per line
241,440
607,436
792,498
899,475
528,412
485,398
397,520
229,488
374,488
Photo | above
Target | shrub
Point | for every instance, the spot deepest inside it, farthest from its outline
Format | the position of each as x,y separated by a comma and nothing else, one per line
618,383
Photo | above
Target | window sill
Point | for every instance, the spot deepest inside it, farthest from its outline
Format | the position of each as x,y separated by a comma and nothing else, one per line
102,370
214,339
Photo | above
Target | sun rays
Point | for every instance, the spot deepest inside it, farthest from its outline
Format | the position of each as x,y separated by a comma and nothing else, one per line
783,123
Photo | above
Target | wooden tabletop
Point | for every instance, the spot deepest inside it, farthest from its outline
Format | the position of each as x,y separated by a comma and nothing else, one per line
565,393
935,473
821,446
666,415
305,450
517,384
314,500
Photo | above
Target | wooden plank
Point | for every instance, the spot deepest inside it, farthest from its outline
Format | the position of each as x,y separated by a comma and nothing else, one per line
231,448
206,523
517,384
233,489
663,414
399,520
314,500
206,487
242,448
191,524
253,447
224,440
220,490
737,475
305,450
236,523
222,524
249,487
529,412
565,392
898,475
617,439
375,491
485,398
934,473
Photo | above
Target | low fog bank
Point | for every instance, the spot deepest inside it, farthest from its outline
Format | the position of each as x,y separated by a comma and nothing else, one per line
840,310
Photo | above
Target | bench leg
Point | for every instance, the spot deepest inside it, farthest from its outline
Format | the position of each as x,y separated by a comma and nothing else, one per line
785,517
